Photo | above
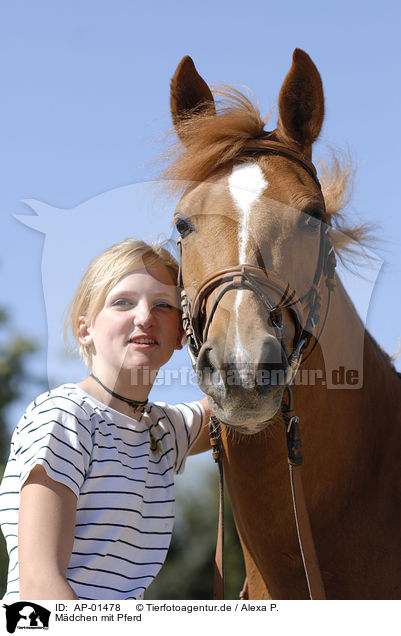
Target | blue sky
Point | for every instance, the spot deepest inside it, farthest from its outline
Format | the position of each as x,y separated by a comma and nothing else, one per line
85,109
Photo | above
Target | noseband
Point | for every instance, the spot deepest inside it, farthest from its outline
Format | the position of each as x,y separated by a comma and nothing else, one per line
262,283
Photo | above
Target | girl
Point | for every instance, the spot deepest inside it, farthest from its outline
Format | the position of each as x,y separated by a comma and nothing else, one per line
88,494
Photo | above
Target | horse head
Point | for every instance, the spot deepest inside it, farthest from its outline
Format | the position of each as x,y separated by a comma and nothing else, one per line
254,247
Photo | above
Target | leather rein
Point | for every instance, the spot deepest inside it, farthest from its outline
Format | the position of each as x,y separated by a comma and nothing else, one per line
196,324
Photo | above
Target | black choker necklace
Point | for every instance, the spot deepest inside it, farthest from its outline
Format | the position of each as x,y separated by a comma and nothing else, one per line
135,404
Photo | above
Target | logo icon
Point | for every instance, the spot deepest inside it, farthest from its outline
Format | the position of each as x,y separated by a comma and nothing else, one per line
26,615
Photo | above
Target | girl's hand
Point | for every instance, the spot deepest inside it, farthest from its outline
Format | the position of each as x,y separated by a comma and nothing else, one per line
202,444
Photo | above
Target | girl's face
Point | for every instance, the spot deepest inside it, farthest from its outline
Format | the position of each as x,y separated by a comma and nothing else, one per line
138,326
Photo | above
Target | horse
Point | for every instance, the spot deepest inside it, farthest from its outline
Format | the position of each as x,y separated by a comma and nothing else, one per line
270,319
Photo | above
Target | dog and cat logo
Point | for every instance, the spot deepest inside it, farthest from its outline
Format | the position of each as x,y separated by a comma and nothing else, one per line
26,615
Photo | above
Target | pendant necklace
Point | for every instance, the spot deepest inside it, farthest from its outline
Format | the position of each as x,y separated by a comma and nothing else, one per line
137,405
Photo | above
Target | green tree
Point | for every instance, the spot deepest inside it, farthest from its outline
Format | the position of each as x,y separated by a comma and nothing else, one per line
13,375
13,352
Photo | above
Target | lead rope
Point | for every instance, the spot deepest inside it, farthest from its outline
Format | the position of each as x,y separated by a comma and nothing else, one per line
302,522
217,454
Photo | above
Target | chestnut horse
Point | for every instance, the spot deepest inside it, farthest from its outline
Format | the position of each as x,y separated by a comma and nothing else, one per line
252,198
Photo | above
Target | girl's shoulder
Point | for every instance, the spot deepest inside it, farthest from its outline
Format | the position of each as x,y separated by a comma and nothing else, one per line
68,399
56,432
154,409
184,415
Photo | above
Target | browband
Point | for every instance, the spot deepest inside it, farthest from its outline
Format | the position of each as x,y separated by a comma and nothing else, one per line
264,144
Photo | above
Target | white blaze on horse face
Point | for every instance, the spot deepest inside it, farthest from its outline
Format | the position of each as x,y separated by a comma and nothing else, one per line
246,183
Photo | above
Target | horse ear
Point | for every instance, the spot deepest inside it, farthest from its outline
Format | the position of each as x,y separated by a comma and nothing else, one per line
189,94
301,103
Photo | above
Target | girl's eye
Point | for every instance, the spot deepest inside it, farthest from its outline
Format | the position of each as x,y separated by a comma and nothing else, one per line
183,227
162,304
121,302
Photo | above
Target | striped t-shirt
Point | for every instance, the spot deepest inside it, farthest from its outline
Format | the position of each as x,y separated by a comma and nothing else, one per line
122,472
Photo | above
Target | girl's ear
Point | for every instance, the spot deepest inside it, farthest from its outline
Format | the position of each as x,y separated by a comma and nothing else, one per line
83,331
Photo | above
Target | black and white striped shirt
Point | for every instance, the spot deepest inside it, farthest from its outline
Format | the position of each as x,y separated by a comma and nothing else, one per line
125,490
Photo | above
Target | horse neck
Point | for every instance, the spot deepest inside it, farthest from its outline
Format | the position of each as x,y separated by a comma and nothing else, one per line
355,412
350,444
350,361
340,393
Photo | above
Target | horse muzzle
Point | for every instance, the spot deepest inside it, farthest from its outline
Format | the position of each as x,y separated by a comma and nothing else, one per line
244,385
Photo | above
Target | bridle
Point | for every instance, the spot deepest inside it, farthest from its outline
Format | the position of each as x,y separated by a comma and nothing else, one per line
257,279
262,283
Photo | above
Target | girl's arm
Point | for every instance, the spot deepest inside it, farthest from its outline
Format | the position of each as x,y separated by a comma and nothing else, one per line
46,527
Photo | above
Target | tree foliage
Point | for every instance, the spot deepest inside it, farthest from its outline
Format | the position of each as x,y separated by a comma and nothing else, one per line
13,352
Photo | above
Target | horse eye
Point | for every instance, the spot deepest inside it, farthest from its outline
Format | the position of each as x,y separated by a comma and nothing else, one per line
311,222
183,227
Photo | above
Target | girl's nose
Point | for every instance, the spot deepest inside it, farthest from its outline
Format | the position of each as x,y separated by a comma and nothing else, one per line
143,315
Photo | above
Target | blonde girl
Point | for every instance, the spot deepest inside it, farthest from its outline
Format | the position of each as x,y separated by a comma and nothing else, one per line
87,498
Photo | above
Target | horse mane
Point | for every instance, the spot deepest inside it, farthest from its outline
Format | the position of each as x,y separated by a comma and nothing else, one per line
214,140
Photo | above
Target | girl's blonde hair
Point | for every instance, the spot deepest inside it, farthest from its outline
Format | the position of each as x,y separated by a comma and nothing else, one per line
103,273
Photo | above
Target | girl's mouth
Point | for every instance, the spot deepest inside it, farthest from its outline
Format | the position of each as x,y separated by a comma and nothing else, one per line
142,341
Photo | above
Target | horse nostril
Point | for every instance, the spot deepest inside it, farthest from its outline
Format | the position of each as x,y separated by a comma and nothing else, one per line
272,354
208,372
205,368
204,359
